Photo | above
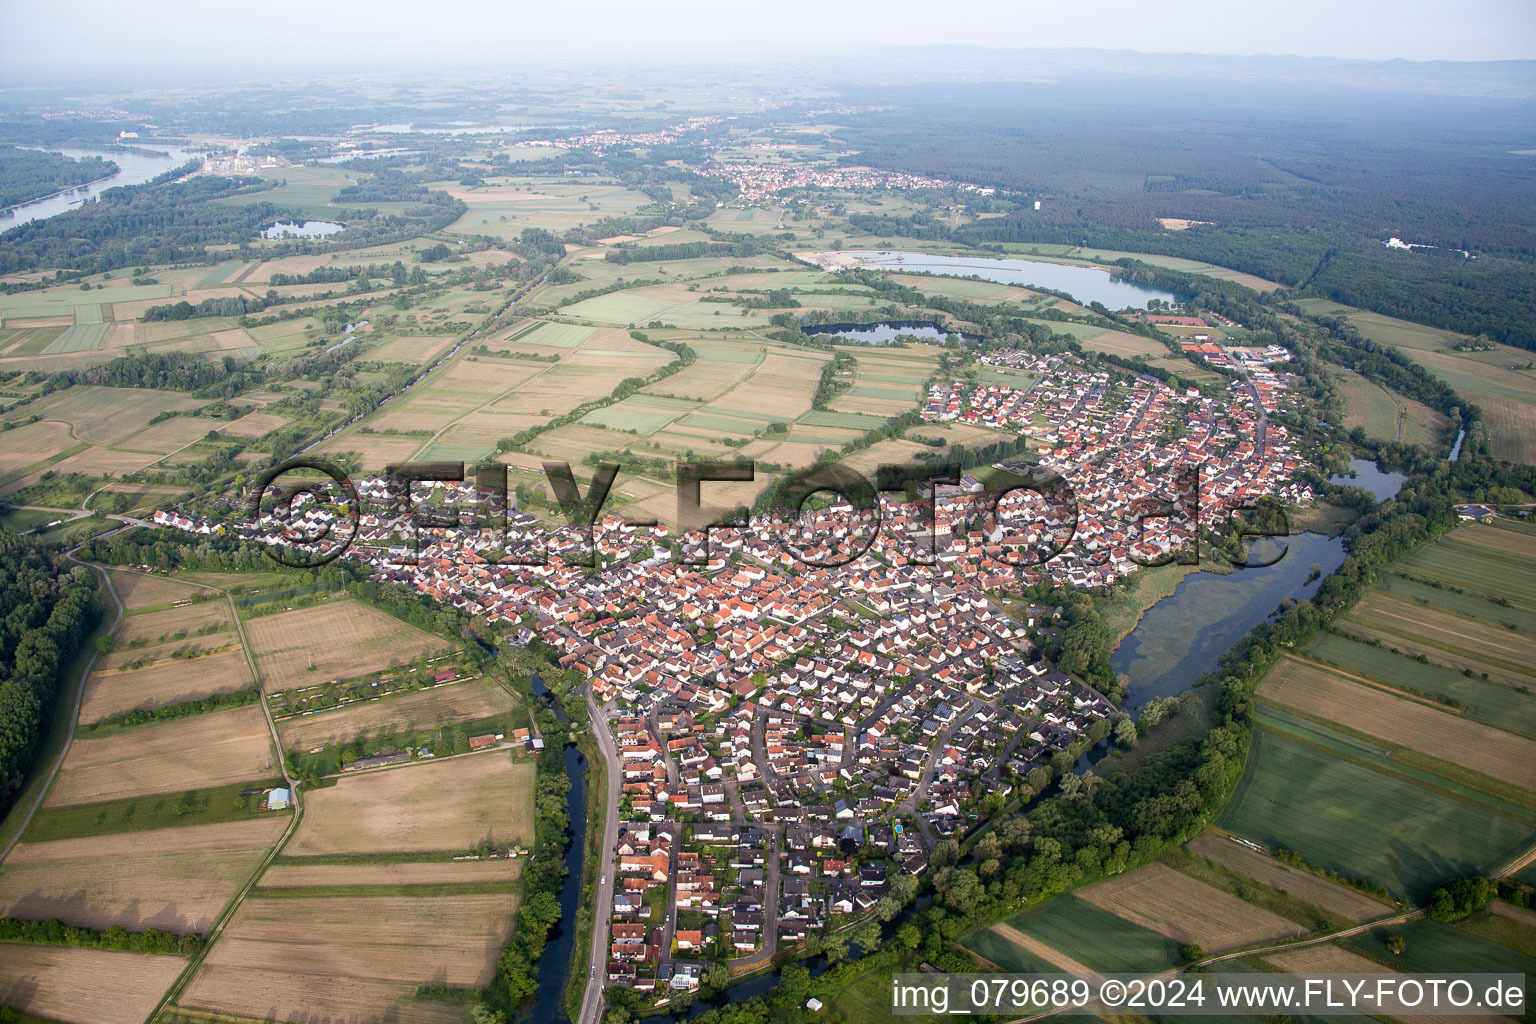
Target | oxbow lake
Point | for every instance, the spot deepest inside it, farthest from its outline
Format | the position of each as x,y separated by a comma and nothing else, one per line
1366,475
303,229
132,169
1086,284
1184,634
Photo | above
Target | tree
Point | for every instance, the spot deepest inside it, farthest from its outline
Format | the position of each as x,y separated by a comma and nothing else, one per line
1191,952
1397,944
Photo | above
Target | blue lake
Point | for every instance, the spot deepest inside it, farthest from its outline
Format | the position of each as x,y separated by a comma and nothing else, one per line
1366,475
1086,284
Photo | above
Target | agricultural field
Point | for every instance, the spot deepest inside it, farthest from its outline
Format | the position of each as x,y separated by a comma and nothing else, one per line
422,709
340,639
1501,382
1345,816
174,879
1340,900
1496,701
1319,692
1387,415
113,689
1186,910
1477,568
503,211
291,958
85,986
289,874
166,757
453,804
1441,948
1071,930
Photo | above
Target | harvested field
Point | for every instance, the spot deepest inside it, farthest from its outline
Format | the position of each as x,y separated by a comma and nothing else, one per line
32,443
254,424
154,627
415,351
1035,947
443,705
165,757
114,691
107,415
137,590
1510,542
1445,630
445,805
85,986
341,639
502,869
175,879
1326,694
1350,904
1171,903
328,959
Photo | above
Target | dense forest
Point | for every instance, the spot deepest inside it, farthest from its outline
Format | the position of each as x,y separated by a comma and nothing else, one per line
27,174
1300,186
46,609
140,224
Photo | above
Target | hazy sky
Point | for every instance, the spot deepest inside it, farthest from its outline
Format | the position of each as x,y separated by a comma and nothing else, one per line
164,33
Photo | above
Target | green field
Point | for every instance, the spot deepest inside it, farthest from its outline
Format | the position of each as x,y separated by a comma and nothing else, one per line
1093,937
1462,604
555,335
1435,948
135,814
1495,573
1350,819
895,395
1488,702
83,337
619,417
847,420
620,308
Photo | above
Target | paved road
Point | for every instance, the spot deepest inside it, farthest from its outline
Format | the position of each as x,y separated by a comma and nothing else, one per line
602,906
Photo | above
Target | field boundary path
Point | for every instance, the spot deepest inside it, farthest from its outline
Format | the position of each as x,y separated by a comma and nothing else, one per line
172,993
69,736
592,998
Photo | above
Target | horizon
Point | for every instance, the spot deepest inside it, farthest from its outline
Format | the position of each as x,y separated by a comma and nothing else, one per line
111,40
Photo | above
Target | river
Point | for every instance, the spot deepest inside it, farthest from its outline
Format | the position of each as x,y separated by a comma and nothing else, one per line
1086,284
555,963
132,169
1185,634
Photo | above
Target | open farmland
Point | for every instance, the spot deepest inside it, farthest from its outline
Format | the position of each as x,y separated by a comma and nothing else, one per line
166,757
174,879
172,624
1345,817
105,416
110,691
340,639
1385,414
328,958
1188,911
1496,701
1094,937
455,804
1350,904
503,211
141,590
1319,692
293,875
85,986
442,705
1499,381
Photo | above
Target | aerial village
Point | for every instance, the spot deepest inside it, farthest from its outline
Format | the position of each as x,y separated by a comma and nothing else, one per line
793,736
